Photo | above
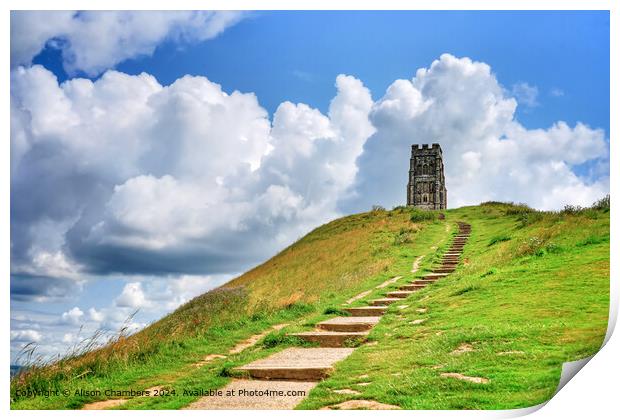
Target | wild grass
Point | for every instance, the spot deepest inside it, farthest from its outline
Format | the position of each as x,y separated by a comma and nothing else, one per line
309,280
532,292
418,215
499,238
523,306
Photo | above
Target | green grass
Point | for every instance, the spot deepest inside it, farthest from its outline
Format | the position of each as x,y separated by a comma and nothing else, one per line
528,298
532,284
306,283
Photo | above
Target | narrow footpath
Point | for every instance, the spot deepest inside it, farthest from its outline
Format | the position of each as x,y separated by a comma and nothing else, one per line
296,370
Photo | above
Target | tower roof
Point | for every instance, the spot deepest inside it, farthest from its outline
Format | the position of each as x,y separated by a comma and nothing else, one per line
426,148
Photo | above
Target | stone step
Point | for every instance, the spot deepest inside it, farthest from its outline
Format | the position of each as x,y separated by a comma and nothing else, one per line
385,301
331,338
444,270
349,323
412,287
452,254
400,294
423,284
295,363
434,276
424,281
234,397
367,310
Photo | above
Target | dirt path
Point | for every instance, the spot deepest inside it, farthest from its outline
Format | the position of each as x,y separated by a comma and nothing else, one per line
367,292
416,264
238,348
296,370
102,405
254,339
282,380
358,297
388,282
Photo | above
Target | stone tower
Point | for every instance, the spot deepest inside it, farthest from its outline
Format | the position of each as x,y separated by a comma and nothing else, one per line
427,186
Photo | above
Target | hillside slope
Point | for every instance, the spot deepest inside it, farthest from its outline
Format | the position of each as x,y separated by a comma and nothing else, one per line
533,292
317,273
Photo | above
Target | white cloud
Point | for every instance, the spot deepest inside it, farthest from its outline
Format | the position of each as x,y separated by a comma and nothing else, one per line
526,94
132,297
23,336
93,41
488,154
185,174
96,315
72,316
189,179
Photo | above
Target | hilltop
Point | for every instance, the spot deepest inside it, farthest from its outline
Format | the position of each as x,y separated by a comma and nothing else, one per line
532,292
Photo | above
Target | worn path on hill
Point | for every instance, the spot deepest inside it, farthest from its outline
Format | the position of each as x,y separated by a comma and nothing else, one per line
282,380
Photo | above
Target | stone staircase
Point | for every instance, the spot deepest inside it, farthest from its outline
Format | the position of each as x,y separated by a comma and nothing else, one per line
335,336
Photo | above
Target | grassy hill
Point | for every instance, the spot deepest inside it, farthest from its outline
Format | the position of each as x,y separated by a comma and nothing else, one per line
532,293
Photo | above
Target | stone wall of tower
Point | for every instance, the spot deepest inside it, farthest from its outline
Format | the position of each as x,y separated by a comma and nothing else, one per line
426,188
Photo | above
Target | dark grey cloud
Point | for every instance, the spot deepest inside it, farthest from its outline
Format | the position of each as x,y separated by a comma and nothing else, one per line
26,287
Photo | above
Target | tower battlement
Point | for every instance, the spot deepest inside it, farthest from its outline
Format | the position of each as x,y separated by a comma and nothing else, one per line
426,146
427,187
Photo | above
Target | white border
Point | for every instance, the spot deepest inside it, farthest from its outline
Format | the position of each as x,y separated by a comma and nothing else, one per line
592,394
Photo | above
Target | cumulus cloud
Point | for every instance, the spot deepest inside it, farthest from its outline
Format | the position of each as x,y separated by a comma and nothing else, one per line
95,315
72,316
179,186
124,175
181,180
488,154
25,336
93,41
132,296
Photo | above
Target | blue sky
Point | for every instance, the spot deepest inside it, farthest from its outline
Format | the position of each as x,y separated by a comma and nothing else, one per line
296,56
141,187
